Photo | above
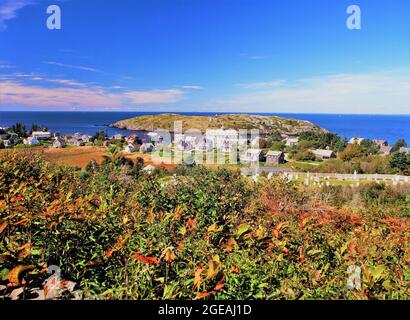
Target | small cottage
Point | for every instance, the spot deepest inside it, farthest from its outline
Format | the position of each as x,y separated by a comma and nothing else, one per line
129,148
147,147
380,143
58,143
275,157
7,143
404,150
356,140
252,156
118,137
324,154
204,145
290,142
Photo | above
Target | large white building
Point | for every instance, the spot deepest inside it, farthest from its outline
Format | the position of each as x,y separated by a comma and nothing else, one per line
41,135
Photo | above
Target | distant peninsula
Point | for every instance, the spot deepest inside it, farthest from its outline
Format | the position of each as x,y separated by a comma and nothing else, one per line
267,125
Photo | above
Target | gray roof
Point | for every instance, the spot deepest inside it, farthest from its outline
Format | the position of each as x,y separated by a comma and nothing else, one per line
274,153
323,153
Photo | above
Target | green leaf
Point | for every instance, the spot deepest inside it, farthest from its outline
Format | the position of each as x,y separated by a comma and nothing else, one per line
377,272
169,290
4,273
242,229
313,252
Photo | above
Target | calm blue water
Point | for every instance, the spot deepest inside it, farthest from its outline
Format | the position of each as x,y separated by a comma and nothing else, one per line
388,127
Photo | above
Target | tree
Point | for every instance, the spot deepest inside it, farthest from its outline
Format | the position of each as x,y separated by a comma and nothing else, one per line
351,152
278,146
36,127
400,161
401,143
99,136
19,129
305,156
369,147
322,140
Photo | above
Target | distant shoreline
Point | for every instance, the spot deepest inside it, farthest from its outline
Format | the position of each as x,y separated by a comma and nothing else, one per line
389,127
211,113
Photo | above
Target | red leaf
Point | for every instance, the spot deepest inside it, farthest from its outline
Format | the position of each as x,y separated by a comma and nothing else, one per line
203,295
197,275
235,270
191,224
147,260
3,226
219,286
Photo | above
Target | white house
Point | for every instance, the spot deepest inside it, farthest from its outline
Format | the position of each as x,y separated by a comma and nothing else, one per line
404,150
275,157
221,137
252,155
31,141
147,147
380,143
59,143
356,140
290,142
204,145
85,138
184,146
129,148
118,137
41,135
7,143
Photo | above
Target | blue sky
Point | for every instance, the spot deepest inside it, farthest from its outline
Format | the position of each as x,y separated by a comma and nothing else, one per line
208,55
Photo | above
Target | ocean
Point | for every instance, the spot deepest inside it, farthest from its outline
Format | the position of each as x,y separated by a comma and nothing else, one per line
387,127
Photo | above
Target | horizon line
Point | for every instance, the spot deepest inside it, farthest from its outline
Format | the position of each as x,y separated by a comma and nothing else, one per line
207,112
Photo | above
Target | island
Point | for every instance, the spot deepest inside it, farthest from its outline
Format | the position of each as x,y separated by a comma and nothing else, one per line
267,125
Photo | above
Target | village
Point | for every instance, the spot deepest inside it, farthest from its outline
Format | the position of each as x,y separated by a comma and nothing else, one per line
252,153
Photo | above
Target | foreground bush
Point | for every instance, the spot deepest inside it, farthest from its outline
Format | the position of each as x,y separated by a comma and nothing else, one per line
199,234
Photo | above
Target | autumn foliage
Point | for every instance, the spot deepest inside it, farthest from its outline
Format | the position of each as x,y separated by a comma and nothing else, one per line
200,234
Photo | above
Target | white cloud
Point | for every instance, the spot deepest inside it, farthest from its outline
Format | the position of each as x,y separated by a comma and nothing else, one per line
190,87
83,97
64,82
6,66
261,85
8,10
154,96
83,68
376,93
